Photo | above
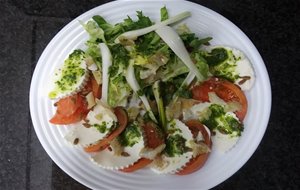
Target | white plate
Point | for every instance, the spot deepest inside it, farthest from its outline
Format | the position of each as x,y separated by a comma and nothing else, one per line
75,162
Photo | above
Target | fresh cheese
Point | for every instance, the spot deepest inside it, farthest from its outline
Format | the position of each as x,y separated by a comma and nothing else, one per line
114,160
98,125
71,77
244,69
83,136
101,115
237,67
223,142
167,164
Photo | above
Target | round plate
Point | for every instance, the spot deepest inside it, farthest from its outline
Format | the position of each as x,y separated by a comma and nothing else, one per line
75,162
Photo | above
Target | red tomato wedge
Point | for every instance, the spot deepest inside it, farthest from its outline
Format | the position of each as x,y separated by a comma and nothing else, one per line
154,137
141,163
225,90
196,163
69,105
70,110
123,120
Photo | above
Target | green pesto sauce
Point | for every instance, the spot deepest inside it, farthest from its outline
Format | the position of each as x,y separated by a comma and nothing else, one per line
226,65
175,145
101,128
216,56
130,136
70,74
223,122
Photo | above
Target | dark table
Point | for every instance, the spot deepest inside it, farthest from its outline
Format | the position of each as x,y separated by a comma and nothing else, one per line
27,27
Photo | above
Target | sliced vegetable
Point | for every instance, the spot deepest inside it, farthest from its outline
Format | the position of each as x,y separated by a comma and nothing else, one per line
173,40
106,63
160,104
132,35
70,110
153,134
68,106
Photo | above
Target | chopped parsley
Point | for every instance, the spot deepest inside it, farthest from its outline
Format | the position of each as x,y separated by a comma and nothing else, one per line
175,145
70,73
101,128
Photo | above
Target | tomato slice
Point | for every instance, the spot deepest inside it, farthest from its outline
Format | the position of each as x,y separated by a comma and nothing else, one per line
141,163
70,110
69,105
196,163
153,134
123,120
225,90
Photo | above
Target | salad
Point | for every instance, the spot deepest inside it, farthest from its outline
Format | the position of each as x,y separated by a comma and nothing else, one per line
151,94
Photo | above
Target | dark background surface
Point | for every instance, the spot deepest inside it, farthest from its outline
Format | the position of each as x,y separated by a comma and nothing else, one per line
26,27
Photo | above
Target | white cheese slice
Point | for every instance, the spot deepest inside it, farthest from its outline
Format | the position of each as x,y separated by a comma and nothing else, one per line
85,136
91,135
224,142
221,142
108,160
79,83
244,69
100,114
171,165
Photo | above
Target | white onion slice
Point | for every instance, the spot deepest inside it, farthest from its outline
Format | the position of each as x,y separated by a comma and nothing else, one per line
132,35
106,63
173,40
